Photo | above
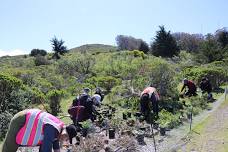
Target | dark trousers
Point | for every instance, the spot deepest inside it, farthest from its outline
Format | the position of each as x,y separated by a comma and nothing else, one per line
50,139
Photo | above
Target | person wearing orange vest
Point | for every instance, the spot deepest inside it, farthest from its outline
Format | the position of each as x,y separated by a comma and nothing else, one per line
33,127
148,97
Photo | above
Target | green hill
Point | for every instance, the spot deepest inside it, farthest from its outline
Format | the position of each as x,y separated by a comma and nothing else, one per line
27,81
94,48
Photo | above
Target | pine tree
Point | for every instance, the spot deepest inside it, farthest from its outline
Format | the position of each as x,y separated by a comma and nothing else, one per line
164,45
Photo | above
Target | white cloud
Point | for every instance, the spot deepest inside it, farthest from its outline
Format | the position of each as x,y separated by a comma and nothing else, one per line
12,52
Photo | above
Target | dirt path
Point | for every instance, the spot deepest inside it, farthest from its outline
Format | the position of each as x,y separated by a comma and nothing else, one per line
211,135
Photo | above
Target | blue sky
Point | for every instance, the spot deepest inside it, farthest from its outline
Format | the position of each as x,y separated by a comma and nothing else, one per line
28,24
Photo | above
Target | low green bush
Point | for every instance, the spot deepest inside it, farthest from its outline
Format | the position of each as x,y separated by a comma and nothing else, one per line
217,75
55,97
168,119
5,118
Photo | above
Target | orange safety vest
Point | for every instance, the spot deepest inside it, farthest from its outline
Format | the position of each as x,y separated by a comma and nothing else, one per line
31,134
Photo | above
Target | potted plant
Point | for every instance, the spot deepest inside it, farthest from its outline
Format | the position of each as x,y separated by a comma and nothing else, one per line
163,121
124,116
163,127
85,127
129,114
140,138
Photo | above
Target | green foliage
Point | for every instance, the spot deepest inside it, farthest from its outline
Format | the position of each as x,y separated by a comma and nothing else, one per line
58,47
36,96
196,104
223,38
106,82
36,52
216,75
164,44
137,53
18,101
55,97
43,84
78,66
162,77
86,124
5,118
210,51
8,84
168,120
40,60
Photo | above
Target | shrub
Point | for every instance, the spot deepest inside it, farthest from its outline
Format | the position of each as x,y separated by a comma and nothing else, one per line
55,97
106,82
162,77
198,103
36,52
137,53
216,75
5,118
41,60
168,120
8,84
36,96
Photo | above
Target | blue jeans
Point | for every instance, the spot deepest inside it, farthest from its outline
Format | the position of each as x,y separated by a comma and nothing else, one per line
50,139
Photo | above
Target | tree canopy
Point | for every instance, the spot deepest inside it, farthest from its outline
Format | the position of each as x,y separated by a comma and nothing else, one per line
164,44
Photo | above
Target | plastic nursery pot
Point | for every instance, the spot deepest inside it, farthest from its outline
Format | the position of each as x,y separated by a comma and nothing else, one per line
113,110
143,128
137,114
84,132
129,115
124,116
109,116
111,133
140,139
162,131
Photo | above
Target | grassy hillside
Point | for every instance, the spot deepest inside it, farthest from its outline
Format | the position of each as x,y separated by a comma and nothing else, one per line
122,75
93,48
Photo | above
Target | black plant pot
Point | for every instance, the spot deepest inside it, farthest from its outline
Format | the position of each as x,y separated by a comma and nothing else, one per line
140,139
162,131
113,110
111,133
110,116
84,132
137,114
124,116
129,115
143,128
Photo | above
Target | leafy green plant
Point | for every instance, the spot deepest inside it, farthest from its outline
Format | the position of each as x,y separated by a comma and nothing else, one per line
5,118
86,124
168,120
216,75
55,97
8,84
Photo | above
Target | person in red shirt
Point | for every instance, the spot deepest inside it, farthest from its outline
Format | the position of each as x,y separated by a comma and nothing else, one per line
191,88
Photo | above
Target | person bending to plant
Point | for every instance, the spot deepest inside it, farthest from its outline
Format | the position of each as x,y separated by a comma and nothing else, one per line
191,88
33,127
149,101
